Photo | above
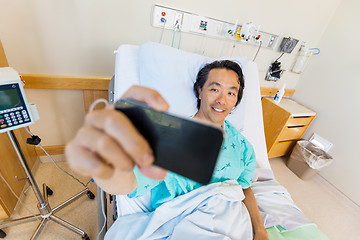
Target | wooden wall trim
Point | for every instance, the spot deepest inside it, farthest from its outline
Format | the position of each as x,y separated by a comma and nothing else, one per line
51,150
37,81
3,60
65,82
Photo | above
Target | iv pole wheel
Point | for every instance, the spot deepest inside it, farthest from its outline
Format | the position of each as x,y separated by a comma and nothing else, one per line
2,234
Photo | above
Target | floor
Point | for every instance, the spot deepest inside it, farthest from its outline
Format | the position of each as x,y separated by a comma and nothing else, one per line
336,216
82,213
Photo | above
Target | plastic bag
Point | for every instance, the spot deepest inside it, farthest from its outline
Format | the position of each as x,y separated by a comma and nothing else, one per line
315,157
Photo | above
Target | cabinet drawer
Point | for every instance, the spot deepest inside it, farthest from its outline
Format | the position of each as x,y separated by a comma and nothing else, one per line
281,148
292,133
299,121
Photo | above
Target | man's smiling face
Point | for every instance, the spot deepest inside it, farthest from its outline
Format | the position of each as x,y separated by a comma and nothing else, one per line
218,95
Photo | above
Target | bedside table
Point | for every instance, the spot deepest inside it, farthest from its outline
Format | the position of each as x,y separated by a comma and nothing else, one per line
284,124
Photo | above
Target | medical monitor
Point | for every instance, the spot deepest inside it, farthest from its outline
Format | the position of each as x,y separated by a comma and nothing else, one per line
15,111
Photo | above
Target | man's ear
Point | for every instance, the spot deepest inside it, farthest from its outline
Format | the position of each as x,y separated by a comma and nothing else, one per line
199,92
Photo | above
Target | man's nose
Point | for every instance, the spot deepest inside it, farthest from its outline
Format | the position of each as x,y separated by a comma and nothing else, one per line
221,99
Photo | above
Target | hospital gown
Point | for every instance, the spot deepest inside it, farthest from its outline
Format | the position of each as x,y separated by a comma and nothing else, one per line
236,161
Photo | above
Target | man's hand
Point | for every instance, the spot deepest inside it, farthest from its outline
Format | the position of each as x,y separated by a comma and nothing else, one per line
108,146
261,235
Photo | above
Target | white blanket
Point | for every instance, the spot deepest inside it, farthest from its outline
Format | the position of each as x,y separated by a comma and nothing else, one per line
276,206
215,211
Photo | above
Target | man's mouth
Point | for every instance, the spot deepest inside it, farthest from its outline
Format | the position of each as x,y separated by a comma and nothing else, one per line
218,110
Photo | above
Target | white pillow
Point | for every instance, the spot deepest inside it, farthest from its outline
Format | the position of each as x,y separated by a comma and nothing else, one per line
173,72
126,69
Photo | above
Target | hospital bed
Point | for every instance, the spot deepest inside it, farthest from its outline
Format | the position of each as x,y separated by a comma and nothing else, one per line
172,72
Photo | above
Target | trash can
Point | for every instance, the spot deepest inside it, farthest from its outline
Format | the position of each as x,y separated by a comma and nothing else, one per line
307,159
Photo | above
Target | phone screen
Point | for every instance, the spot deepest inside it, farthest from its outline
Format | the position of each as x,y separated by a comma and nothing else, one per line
181,145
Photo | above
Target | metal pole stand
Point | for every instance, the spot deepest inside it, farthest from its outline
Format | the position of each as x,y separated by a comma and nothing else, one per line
46,212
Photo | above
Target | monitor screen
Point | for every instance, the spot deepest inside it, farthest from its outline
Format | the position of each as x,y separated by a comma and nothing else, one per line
9,99
13,110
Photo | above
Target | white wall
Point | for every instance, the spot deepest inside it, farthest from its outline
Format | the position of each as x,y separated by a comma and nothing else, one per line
78,37
330,86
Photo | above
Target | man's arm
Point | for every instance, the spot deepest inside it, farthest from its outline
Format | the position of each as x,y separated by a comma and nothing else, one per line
257,224
108,146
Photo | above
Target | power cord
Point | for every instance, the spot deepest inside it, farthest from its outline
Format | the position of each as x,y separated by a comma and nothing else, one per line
103,212
35,140
257,51
279,57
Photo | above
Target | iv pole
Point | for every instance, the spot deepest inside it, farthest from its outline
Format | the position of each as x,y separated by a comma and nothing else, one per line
46,212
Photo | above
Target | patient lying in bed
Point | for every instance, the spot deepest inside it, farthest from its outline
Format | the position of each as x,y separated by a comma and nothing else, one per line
108,147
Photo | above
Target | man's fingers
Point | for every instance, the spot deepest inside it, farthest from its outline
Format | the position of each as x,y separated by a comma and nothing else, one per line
108,141
105,147
153,172
119,127
86,162
148,96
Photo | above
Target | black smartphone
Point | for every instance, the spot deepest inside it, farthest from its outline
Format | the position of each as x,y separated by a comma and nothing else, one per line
184,146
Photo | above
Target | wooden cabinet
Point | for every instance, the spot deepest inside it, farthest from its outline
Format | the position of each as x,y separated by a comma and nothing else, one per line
284,124
11,167
9,163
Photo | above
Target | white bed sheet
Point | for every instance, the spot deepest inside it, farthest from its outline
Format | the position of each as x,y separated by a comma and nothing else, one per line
213,211
210,212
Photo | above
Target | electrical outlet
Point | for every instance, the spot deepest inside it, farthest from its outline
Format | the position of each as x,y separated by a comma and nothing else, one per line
271,42
178,19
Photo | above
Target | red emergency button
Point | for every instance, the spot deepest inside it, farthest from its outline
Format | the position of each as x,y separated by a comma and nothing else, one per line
163,14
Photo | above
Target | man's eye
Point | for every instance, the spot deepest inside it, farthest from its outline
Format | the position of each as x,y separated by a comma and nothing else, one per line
214,90
231,94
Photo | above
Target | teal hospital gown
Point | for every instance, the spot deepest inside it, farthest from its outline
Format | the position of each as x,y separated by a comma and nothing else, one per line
236,161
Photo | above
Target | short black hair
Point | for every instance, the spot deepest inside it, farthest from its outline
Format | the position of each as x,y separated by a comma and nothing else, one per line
203,74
